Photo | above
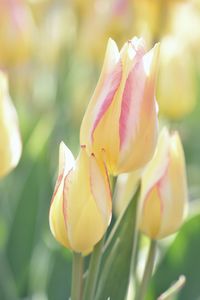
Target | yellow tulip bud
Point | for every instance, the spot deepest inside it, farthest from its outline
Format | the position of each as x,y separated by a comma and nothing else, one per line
120,123
176,82
16,32
164,189
80,210
10,141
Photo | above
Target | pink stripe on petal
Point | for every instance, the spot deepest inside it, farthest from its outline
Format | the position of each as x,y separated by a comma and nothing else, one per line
65,195
131,103
100,189
109,89
58,183
133,92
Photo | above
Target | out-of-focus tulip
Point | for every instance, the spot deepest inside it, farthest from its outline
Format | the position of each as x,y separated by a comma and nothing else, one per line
164,189
104,19
10,141
16,32
152,17
176,81
120,123
185,24
147,15
57,16
80,210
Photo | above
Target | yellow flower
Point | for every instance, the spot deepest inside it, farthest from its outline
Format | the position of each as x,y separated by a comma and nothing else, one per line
10,141
104,19
164,189
80,210
176,81
120,123
16,32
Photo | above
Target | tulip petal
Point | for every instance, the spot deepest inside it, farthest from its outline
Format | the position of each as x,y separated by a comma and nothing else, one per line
109,89
173,189
138,119
166,175
56,214
152,214
10,146
101,189
66,159
157,167
104,92
85,222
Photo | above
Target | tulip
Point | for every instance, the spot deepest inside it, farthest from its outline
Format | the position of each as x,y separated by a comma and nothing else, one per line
80,210
164,189
10,142
120,123
185,24
51,30
103,19
147,16
16,32
176,83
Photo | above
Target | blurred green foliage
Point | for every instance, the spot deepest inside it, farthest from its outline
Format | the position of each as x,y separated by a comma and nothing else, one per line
181,258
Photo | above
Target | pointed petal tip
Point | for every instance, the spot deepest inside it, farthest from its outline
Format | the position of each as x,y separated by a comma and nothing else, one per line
66,158
112,54
150,61
63,147
138,42
112,44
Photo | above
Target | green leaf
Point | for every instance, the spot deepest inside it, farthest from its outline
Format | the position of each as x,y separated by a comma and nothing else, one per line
31,213
181,258
113,281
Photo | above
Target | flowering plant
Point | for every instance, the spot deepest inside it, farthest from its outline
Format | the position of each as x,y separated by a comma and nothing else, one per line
119,134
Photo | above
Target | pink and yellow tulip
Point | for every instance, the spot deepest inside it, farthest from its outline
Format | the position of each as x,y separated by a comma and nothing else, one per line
10,141
16,32
120,124
80,210
164,189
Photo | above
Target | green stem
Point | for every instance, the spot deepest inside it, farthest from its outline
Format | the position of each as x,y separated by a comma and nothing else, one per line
147,271
77,277
134,254
93,272
133,264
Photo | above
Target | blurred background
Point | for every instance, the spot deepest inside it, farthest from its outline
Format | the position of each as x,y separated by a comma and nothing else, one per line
52,51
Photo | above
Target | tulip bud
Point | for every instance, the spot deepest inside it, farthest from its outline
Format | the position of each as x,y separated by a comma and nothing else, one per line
120,123
10,141
80,210
164,189
176,84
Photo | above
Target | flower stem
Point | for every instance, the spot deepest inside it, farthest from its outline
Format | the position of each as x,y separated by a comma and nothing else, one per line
147,271
77,277
133,264
134,253
93,272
